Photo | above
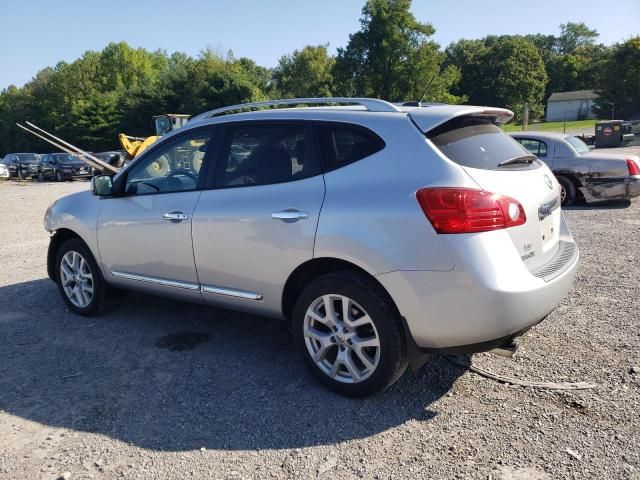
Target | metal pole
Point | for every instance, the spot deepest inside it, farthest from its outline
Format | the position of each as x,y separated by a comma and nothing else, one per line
86,154
70,152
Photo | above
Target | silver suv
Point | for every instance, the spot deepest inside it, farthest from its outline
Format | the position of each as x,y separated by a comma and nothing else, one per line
380,232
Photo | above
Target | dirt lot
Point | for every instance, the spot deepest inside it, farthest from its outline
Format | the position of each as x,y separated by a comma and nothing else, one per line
105,397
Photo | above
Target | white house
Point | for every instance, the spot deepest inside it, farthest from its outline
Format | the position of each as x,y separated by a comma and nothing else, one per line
571,105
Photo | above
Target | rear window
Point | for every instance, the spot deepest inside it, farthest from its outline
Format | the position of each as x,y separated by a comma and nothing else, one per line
578,145
477,143
342,144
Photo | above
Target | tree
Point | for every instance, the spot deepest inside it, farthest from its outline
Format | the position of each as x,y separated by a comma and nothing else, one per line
392,57
503,71
305,73
573,36
619,81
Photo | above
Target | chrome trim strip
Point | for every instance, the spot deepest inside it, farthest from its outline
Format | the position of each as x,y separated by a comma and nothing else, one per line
229,292
158,281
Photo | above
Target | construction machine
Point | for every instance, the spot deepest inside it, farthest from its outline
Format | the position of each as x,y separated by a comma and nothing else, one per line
164,124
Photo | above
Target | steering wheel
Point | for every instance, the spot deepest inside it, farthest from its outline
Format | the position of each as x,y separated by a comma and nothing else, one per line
183,171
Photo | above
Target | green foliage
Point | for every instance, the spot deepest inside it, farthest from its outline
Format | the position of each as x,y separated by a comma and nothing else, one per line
619,82
392,57
119,89
505,71
305,73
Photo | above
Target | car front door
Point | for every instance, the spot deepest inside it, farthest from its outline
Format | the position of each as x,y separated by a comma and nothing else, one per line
144,232
258,220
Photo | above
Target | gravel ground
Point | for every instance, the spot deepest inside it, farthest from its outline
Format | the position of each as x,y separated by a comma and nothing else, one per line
116,396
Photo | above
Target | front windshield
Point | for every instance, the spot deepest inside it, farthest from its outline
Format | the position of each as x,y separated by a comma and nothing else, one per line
65,158
163,125
27,157
578,145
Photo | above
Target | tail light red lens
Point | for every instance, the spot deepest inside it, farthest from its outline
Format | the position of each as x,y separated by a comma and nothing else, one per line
465,210
633,168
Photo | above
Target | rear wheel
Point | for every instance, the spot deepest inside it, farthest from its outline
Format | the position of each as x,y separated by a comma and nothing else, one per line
349,334
79,279
567,191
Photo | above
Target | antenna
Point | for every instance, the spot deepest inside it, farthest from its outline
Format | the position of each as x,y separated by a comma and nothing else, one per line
427,89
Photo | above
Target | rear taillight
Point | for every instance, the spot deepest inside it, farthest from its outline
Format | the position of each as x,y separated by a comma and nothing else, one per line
464,210
633,168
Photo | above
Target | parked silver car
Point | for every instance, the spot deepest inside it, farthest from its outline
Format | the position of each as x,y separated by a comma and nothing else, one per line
581,172
380,232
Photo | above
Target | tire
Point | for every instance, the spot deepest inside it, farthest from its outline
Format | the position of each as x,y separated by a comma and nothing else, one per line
20,175
59,176
567,191
387,360
77,302
41,177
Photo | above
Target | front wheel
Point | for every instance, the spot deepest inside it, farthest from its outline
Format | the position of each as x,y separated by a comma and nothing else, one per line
59,176
349,334
79,279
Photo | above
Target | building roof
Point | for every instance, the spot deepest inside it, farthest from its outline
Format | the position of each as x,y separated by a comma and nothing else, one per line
575,95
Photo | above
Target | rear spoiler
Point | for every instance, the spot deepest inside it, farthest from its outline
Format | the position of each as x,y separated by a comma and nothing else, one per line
429,118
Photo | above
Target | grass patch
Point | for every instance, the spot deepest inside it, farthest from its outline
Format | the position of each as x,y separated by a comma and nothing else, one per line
553,126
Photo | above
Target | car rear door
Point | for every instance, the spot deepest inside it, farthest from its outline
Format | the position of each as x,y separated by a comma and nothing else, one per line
258,220
144,233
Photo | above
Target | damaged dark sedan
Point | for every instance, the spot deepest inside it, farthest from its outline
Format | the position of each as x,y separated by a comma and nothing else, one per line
584,173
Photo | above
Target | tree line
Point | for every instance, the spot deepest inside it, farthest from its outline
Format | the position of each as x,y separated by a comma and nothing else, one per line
393,56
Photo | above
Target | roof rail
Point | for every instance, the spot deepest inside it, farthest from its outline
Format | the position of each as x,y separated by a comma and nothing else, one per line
371,104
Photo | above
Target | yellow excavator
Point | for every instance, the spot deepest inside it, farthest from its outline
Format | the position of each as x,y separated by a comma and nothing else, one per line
164,124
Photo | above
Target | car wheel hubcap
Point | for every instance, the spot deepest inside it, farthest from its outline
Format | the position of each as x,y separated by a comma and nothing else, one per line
76,278
563,193
341,338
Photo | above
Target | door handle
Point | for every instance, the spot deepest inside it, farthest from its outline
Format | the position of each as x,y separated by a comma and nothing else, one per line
289,215
175,216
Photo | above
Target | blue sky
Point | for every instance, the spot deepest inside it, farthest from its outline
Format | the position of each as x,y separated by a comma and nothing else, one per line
39,33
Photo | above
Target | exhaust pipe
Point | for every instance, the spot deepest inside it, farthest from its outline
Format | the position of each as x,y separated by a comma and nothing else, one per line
507,350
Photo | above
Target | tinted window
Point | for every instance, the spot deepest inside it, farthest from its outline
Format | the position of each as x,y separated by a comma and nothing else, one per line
536,147
342,144
64,158
476,142
172,168
578,145
262,154
27,157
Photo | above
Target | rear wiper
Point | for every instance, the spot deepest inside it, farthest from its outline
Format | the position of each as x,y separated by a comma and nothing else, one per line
520,159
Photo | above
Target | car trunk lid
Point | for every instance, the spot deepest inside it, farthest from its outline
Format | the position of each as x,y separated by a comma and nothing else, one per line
498,164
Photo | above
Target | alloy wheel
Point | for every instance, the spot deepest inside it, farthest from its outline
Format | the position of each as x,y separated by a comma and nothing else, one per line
563,193
76,279
341,338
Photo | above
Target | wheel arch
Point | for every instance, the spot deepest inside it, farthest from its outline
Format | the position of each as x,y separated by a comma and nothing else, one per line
573,178
315,268
57,239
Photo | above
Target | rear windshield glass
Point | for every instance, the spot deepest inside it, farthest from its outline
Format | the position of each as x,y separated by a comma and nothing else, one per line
578,145
476,142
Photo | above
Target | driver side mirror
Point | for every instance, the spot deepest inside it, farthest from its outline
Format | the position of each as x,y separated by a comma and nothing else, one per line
102,185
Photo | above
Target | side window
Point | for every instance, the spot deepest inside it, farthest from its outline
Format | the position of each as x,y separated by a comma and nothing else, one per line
172,168
342,144
535,147
263,154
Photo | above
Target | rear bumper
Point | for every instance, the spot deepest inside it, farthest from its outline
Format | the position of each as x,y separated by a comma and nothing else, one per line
616,189
489,297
